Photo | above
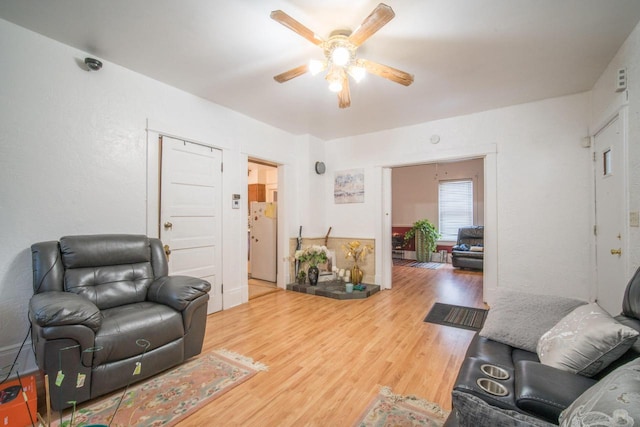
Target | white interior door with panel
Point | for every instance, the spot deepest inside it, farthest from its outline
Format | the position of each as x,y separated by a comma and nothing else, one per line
191,214
610,178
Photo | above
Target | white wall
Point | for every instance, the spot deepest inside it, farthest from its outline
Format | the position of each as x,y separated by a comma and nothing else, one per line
605,102
73,159
73,151
543,191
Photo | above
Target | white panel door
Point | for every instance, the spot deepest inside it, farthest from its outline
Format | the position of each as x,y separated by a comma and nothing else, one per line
191,214
610,217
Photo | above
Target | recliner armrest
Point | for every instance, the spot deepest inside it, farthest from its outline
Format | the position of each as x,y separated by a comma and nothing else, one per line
545,391
62,309
177,291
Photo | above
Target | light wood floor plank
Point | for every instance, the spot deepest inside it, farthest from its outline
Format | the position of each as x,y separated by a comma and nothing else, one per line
328,358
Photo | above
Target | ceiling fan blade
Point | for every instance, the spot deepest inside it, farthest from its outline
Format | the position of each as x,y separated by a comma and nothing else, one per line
344,96
291,74
372,23
293,25
387,72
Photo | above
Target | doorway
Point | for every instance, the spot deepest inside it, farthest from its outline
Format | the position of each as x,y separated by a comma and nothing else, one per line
490,271
449,194
262,265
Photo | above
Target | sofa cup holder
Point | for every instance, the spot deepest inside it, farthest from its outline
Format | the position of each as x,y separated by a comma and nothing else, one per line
492,387
494,371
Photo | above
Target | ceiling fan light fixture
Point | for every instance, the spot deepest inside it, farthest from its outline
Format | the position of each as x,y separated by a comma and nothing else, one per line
316,66
335,77
340,56
357,73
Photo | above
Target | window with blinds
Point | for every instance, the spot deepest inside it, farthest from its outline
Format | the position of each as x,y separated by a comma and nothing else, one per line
455,207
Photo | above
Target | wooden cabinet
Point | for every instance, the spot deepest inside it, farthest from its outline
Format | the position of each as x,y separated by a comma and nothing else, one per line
257,193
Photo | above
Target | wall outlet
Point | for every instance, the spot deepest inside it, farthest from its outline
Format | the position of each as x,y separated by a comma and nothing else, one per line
634,219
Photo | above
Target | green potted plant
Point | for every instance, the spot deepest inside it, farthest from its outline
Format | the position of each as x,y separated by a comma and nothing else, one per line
302,277
426,235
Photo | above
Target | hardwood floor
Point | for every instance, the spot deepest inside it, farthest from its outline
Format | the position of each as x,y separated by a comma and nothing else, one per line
327,358
258,288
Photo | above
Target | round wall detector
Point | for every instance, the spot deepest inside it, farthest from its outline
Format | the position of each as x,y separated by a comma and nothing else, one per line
93,64
320,168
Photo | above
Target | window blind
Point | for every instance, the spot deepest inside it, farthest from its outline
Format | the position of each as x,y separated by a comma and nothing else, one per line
455,207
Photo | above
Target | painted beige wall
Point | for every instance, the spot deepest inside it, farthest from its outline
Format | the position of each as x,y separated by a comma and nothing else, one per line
368,266
415,190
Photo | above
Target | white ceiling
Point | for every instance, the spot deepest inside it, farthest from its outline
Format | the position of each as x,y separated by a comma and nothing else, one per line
466,55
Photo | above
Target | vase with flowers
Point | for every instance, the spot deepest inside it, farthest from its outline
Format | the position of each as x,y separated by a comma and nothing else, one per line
312,255
357,252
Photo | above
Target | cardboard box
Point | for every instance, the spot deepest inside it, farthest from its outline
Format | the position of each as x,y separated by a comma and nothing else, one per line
13,409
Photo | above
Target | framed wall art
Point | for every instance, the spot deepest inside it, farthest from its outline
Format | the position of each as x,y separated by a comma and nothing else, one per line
349,186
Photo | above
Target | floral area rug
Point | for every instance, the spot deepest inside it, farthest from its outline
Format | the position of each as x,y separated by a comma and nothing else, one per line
171,396
389,409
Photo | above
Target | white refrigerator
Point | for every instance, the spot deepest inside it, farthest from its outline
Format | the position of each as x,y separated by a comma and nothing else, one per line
262,240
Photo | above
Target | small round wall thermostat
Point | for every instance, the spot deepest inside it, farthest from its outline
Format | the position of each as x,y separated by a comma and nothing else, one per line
320,168
435,139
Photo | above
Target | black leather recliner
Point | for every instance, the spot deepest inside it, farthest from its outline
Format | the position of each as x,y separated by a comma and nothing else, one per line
538,392
461,255
105,314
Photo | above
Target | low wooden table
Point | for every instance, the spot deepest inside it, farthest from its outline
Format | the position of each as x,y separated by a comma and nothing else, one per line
333,289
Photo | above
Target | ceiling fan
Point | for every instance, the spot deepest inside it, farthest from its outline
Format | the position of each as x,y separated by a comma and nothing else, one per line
340,54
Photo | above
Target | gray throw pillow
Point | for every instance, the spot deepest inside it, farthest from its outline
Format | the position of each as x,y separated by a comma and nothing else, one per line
613,401
519,319
585,341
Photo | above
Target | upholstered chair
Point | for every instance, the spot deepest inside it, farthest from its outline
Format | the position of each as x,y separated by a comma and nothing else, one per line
105,314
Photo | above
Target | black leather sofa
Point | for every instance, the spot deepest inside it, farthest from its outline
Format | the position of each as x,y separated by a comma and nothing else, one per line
461,255
536,394
105,314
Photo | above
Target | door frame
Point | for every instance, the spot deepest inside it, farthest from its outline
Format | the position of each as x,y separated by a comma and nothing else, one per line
622,114
282,236
490,271
154,167
276,166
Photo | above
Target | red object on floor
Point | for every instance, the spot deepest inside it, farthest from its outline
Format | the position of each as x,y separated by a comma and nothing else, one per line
400,231
13,409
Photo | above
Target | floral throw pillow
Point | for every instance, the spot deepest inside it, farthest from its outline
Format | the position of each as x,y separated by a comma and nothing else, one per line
613,401
585,341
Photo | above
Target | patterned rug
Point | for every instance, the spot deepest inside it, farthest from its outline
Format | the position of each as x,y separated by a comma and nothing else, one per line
457,316
389,409
171,396
416,264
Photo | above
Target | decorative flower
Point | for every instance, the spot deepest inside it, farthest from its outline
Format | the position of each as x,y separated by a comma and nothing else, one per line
355,251
313,255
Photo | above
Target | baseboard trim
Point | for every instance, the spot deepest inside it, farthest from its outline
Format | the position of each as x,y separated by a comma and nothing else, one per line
26,363
232,298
